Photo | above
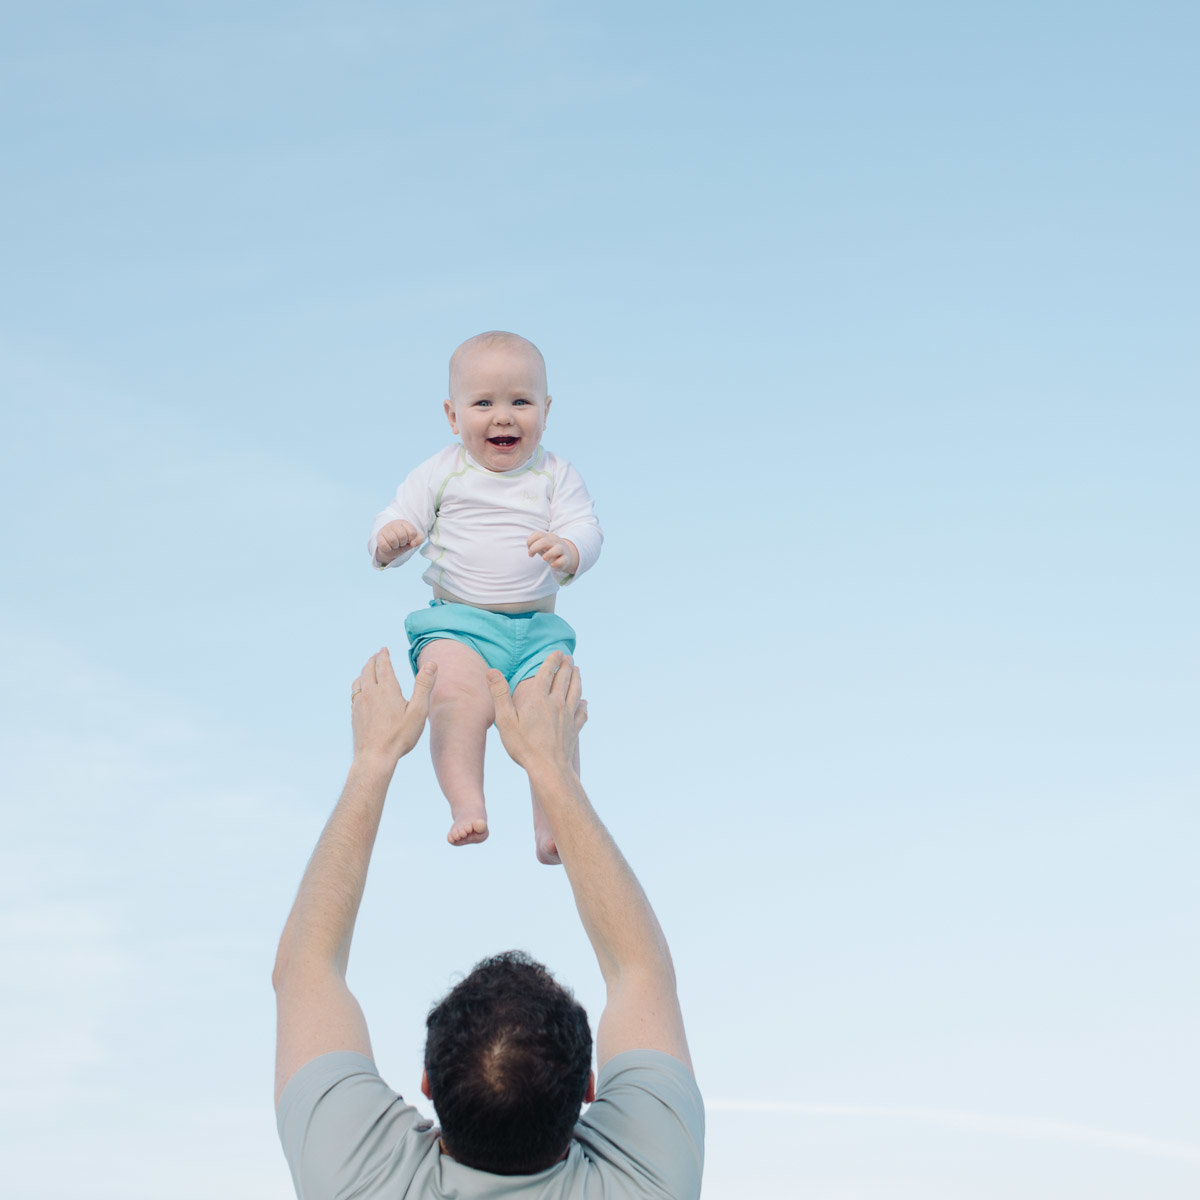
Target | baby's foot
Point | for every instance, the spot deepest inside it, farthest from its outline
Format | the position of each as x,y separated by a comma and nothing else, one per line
547,851
467,830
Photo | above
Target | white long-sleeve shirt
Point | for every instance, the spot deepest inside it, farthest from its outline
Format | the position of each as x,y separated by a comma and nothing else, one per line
477,524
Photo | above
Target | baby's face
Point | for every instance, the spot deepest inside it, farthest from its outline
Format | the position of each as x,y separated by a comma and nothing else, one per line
498,405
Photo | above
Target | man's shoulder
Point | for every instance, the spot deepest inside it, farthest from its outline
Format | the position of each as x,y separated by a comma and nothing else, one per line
345,1072
647,1070
646,1125
320,1073
340,1124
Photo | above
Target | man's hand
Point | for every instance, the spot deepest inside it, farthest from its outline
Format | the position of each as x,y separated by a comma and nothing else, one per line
394,539
385,724
544,724
558,552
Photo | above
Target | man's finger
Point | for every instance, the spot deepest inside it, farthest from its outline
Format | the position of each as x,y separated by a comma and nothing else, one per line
384,671
498,686
548,669
574,689
561,682
416,711
423,684
507,721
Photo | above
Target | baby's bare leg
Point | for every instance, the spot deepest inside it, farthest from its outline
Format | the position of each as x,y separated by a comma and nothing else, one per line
543,838
460,711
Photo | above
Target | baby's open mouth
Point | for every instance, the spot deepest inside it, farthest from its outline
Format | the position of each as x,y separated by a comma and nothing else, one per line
503,441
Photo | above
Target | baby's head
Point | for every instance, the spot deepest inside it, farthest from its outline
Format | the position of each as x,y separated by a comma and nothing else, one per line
498,401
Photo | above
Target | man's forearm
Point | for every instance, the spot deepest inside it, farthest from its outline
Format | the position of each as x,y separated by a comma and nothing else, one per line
321,924
615,912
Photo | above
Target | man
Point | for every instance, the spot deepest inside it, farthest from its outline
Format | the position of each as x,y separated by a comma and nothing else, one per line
508,1050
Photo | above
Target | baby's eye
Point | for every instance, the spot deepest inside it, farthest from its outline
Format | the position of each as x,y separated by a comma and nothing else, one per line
520,401
482,403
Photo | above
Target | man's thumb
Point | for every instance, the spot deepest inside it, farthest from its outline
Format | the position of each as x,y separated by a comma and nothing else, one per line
498,686
423,685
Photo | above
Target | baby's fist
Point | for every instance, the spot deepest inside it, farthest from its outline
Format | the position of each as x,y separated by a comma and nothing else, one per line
394,539
559,553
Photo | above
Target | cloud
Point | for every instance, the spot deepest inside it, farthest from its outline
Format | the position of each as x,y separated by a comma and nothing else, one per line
1004,1126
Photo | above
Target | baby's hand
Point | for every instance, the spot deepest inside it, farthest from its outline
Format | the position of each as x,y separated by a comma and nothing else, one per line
558,552
394,539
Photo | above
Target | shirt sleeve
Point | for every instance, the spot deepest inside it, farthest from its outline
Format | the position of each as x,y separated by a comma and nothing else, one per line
573,516
415,503
647,1125
341,1126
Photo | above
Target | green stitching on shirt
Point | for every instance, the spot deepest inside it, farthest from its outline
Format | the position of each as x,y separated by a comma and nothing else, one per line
437,507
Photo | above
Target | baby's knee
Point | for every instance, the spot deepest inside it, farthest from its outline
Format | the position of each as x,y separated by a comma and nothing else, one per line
461,697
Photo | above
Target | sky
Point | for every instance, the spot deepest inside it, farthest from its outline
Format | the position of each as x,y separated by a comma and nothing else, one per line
872,329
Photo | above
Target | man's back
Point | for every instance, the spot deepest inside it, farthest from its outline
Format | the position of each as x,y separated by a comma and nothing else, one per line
344,1130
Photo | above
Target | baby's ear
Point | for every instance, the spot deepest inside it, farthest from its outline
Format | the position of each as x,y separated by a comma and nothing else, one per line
546,409
448,405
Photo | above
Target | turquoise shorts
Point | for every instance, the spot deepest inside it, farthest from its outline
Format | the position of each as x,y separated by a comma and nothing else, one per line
516,644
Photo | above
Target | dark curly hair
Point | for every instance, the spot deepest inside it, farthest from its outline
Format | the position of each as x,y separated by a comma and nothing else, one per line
508,1052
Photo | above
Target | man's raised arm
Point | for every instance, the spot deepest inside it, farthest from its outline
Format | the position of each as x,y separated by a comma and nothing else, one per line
540,731
316,1012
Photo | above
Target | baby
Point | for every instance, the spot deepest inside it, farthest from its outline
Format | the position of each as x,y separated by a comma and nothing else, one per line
504,524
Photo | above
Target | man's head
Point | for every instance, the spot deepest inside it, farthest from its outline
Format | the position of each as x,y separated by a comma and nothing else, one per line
508,1065
498,401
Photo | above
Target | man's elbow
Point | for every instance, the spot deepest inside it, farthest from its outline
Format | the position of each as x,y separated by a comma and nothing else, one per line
301,970
653,976
287,967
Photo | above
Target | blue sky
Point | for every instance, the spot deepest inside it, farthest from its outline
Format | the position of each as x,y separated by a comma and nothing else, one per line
872,330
